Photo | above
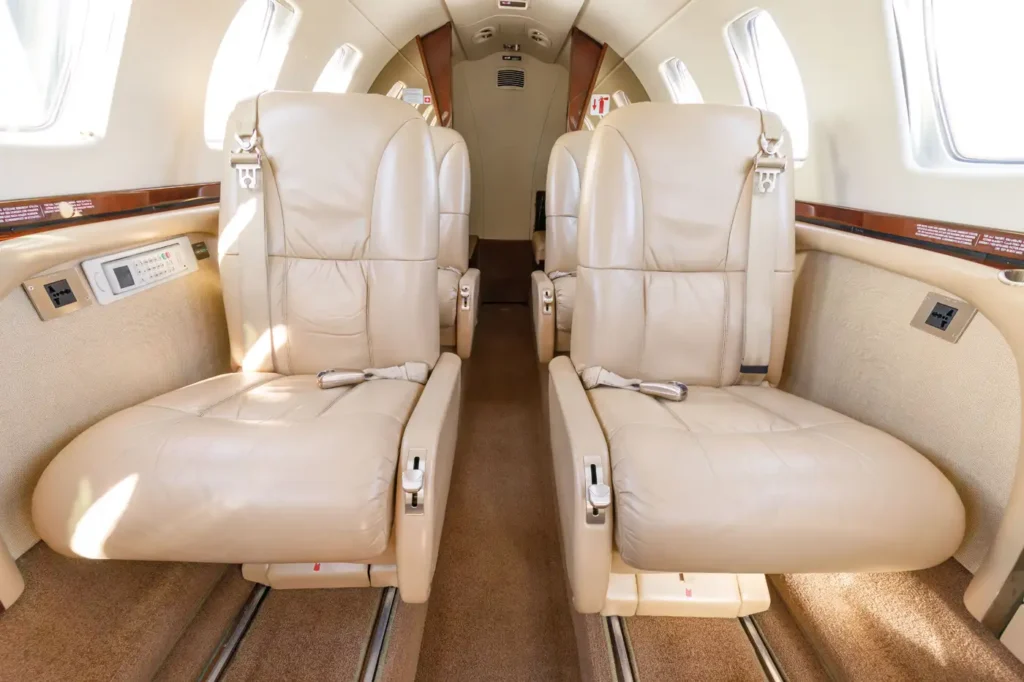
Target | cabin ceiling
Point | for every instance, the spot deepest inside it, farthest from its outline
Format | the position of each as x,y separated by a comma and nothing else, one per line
623,24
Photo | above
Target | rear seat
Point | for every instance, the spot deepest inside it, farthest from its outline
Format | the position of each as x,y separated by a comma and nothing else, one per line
554,289
458,285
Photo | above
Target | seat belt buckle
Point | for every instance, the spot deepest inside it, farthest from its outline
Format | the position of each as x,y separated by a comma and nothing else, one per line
335,378
768,165
675,391
246,160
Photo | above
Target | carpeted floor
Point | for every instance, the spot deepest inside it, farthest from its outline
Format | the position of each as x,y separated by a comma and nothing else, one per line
201,638
788,644
499,608
310,635
896,626
667,649
98,620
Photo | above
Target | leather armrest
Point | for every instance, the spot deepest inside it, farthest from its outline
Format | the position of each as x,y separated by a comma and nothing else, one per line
542,306
429,435
577,441
466,312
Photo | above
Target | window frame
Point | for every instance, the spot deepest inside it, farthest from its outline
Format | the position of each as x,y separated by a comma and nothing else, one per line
265,68
345,63
932,139
81,112
741,36
676,77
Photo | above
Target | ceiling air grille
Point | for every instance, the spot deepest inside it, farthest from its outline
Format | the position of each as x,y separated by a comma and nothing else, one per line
512,78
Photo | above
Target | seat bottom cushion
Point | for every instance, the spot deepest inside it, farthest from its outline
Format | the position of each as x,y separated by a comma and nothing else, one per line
240,468
756,480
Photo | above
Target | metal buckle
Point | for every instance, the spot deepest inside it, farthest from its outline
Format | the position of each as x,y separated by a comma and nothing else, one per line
768,164
333,378
414,481
247,167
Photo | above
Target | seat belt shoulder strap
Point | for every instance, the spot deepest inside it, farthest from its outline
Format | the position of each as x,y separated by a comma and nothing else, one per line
761,252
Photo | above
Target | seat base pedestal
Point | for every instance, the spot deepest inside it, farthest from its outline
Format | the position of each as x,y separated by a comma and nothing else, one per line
686,595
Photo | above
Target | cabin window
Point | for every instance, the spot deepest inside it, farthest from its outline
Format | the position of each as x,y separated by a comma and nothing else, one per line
58,63
396,90
681,86
961,68
337,75
248,62
769,74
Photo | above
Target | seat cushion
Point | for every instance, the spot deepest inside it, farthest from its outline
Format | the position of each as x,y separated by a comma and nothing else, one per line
240,468
448,296
755,480
565,301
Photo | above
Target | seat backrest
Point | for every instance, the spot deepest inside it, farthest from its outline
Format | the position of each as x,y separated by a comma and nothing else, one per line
565,176
664,229
347,277
452,157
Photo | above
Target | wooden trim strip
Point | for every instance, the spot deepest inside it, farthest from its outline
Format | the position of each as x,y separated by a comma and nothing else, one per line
436,55
585,58
28,216
995,248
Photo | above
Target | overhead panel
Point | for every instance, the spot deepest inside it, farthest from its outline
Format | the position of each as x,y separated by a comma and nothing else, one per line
625,24
539,27
402,20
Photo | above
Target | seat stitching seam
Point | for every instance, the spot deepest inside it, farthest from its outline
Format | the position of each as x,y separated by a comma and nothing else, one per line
796,427
725,323
676,418
860,454
202,412
333,403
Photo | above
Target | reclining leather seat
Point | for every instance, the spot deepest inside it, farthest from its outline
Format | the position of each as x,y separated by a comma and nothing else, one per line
554,289
329,261
458,285
686,259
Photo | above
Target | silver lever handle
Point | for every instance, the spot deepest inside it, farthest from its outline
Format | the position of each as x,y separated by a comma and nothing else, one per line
412,481
599,495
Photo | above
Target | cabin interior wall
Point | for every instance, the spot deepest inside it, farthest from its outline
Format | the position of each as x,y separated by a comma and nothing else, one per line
509,134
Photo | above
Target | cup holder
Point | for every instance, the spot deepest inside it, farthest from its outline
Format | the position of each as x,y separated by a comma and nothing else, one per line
1014,278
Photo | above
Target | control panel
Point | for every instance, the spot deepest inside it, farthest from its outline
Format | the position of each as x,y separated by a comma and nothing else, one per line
118,275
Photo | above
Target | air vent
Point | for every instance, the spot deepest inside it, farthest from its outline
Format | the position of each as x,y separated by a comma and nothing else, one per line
537,36
512,78
483,35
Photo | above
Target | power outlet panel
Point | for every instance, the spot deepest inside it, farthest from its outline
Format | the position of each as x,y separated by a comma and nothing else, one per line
58,293
944,317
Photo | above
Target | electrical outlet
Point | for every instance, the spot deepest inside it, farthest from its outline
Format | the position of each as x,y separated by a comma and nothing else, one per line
60,293
944,317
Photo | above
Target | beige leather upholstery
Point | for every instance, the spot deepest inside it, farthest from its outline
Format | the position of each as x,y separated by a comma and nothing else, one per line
264,467
538,239
565,178
454,274
735,479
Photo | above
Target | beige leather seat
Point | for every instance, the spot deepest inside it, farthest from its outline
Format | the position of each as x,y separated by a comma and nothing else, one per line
330,261
686,274
554,289
458,285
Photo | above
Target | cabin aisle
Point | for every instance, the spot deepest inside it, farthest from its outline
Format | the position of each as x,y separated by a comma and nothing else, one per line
499,609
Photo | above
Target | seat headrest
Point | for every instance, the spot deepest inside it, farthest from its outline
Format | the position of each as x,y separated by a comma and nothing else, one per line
667,187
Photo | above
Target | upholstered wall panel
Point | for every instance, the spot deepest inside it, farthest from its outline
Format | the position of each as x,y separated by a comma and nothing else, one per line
62,376
852,349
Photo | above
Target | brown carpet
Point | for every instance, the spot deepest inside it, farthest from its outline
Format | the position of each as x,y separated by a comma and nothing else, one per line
791,649
667,649
200,640
896,626
402,647
98,620
499,610
307,635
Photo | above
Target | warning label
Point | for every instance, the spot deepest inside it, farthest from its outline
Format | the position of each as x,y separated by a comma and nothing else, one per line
20,214
68,209
947,235
1000,244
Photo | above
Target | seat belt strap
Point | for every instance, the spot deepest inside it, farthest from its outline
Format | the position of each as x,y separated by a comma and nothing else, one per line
417,372
763,238
593,377
247,160
559,274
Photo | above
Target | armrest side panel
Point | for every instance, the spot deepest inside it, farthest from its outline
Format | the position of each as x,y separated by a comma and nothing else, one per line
430,435
575,434
465,320
541,290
